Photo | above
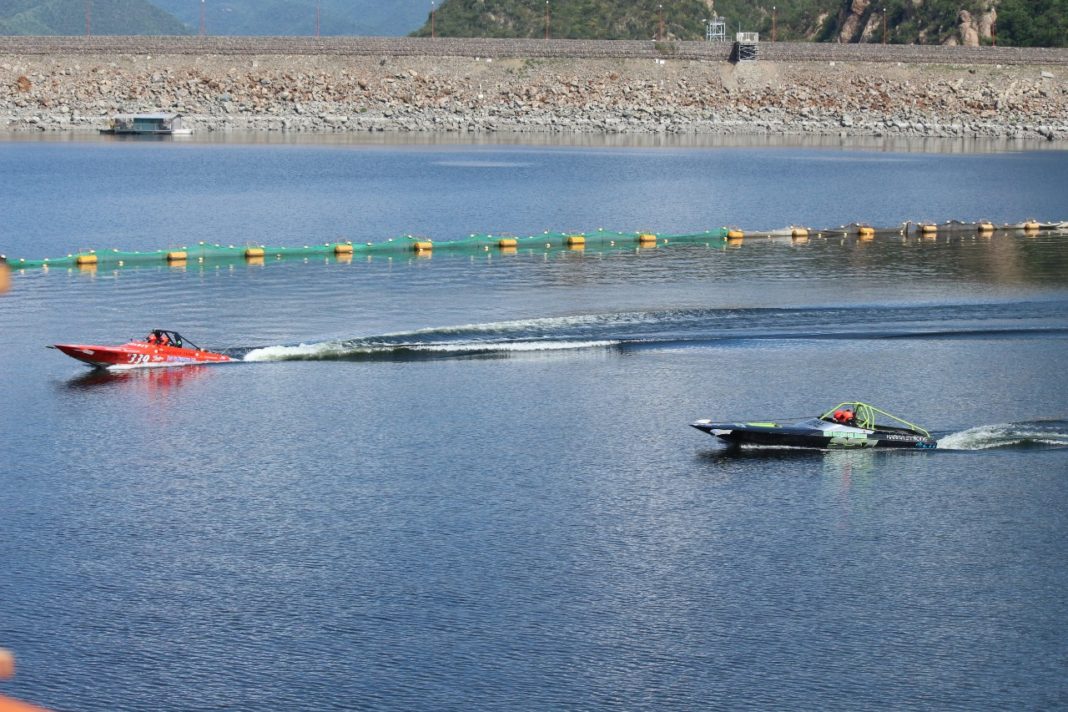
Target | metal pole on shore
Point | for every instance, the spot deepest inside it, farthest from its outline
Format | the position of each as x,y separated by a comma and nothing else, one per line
546,19
772,23
317,18
433,31
203,20
88,18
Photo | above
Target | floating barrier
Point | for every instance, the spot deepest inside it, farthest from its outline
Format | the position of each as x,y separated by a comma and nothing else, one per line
343,251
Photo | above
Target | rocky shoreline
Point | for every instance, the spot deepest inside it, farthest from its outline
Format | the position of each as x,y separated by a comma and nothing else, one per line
309,93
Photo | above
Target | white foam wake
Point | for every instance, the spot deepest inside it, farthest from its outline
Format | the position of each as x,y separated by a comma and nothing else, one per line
328,350
985,437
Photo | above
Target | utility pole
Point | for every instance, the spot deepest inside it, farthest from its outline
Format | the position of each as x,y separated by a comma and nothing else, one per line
88,18
433,31
203,20
772,23
546,19
317,18
884,25
660,34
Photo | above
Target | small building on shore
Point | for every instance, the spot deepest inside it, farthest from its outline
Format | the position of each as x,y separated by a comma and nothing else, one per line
159,124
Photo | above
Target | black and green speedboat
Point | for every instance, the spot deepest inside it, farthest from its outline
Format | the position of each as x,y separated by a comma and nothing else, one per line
847,425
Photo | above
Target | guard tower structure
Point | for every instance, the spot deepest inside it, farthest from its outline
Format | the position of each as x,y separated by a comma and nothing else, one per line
716,28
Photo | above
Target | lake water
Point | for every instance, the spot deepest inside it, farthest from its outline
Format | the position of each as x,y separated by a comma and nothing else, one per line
468,482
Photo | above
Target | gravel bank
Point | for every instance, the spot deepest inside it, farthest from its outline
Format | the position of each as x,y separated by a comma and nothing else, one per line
321,93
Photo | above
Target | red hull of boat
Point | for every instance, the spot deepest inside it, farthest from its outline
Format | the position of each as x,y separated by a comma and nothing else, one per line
138,354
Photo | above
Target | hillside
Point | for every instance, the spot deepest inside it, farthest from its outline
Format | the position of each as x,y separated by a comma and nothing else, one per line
1015,22
68,17
297,17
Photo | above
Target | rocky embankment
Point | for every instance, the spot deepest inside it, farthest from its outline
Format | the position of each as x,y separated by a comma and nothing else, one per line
349,93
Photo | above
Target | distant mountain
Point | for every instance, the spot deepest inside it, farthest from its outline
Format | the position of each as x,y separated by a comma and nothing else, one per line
68,17
297,17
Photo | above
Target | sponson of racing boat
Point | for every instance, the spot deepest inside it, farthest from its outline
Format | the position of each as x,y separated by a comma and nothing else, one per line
160,348
848,425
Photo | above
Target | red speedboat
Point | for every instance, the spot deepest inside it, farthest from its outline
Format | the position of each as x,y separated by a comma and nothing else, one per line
159,348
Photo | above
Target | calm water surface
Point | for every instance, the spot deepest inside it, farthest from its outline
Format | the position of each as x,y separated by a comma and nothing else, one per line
468,482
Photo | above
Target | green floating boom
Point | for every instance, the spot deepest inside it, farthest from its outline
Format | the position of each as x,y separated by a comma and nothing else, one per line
211,252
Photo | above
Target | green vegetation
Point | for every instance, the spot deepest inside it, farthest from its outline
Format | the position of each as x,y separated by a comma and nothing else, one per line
1020,22
570,19
67,17
1033,23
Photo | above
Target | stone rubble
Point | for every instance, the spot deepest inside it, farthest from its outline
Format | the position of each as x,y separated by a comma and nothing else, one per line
329,94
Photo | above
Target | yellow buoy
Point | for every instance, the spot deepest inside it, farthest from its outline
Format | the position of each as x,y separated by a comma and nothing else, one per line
646,238
423,246
506,242
867,233
928,229
574,240
735,234
1031,226
343,248
177,256
86,259
253,252
986,227
799,232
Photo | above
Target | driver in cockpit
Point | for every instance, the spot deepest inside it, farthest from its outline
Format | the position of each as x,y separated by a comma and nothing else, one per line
845,416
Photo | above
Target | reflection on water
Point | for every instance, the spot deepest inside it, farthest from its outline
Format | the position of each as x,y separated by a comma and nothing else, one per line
148,379
888,144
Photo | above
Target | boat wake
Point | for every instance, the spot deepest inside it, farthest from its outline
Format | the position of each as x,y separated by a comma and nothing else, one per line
677,329
375,349
1029,434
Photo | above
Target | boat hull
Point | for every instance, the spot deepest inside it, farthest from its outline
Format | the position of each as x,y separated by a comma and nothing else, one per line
138,354
784,436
